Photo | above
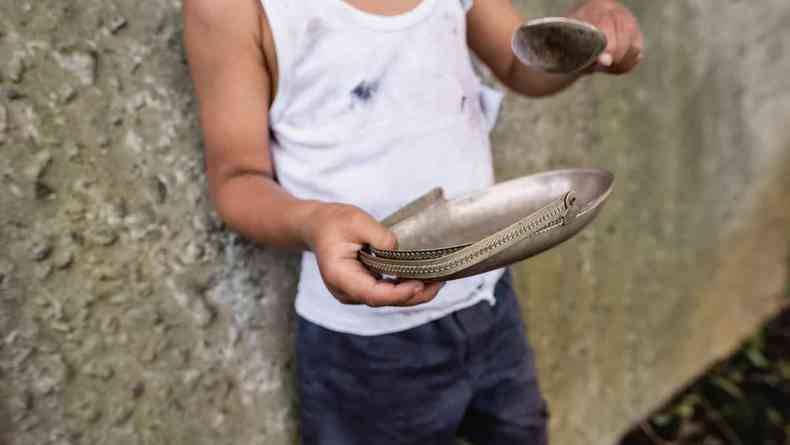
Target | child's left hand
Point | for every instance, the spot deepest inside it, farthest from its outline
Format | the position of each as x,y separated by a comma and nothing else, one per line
626,42
490,28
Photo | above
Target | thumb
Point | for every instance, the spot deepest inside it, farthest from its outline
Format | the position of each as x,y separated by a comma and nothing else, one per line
383,238
369,231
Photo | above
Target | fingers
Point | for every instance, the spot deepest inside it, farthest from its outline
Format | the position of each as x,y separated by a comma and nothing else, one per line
625,41
623,26
628,63
632,43
391,294
351,283
370,231
606,24
427,294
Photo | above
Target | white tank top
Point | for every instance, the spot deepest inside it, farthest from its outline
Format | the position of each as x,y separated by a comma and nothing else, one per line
375,111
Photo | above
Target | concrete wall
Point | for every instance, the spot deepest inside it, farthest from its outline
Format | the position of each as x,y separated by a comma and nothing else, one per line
692,252
129,316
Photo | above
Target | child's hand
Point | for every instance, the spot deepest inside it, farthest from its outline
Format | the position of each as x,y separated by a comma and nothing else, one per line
336,233
625,40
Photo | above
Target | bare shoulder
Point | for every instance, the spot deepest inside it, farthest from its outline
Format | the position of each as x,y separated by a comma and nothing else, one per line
234,19
230,30
222,14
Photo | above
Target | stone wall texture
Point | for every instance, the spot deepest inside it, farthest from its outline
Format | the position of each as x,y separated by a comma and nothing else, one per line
128,315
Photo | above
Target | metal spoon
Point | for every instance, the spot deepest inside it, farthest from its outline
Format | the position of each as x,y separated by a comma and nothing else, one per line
558,45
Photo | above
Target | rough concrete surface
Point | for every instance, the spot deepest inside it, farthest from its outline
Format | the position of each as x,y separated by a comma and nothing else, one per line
128,315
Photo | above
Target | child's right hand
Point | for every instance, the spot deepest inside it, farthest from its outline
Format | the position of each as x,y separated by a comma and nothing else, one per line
336,233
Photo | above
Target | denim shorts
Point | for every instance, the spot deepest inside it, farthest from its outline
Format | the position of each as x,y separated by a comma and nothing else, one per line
470,374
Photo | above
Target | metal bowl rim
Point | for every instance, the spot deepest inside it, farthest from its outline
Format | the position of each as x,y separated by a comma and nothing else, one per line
609,176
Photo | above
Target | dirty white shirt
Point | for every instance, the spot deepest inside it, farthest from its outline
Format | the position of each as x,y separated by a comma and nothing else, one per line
375,111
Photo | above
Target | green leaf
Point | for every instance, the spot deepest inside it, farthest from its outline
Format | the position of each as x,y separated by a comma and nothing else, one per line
757,358
662,420
685,408
727,386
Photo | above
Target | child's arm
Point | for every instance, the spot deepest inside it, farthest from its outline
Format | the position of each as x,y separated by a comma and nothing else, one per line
491,24
224,42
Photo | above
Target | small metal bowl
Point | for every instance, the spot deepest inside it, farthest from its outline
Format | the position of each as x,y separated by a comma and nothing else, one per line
441,240
558,45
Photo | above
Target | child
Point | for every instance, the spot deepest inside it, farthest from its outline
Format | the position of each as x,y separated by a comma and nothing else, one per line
322,116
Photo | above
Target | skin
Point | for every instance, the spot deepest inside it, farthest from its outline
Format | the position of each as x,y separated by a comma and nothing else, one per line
234,69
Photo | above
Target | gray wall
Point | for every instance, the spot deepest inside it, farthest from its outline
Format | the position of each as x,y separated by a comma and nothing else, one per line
692,252
128,315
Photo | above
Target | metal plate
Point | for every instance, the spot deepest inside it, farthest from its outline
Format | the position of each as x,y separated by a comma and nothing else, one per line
441,240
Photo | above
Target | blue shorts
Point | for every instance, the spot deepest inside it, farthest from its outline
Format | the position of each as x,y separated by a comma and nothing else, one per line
470,374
